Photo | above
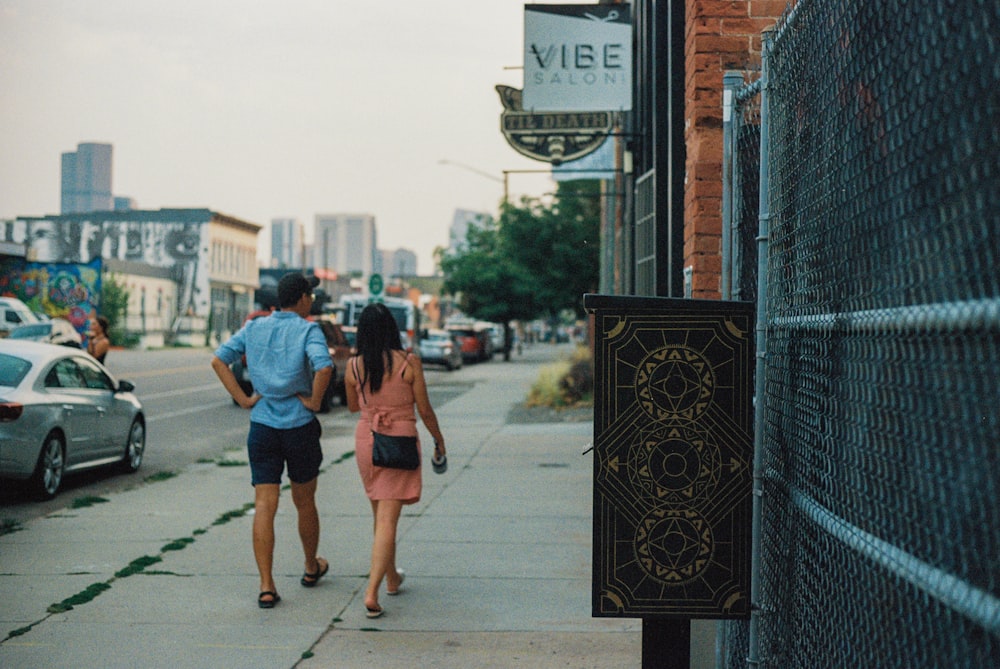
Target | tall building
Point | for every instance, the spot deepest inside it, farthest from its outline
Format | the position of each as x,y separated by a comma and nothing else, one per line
86,179
399,263
346,244
287,243
460,222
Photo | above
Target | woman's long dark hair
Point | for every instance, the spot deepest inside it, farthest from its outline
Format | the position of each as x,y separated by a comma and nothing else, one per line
378,337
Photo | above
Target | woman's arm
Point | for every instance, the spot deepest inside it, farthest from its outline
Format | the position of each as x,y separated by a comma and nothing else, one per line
98,346
423,402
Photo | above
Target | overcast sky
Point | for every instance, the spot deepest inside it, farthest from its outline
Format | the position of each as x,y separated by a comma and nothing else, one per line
268,108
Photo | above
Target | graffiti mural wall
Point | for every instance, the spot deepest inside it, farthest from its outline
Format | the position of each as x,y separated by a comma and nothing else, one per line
173,239
64,290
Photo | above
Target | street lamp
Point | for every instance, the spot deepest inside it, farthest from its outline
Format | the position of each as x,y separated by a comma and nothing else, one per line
482,173
506,174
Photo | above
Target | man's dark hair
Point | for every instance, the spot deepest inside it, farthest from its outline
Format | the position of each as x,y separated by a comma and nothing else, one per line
292,287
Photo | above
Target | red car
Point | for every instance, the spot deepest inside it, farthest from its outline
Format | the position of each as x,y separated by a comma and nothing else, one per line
477,346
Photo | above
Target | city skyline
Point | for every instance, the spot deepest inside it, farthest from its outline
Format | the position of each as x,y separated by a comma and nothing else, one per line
270,111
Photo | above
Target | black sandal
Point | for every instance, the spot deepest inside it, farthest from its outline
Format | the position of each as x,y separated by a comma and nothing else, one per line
309,580
268,603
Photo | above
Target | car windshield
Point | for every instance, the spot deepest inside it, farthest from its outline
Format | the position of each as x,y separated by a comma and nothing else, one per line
30,331
12,370
437,336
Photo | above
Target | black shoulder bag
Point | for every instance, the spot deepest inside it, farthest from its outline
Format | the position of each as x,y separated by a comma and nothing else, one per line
391,451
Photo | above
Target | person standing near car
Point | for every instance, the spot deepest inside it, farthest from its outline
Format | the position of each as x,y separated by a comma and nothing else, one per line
385,382
98,343
290,368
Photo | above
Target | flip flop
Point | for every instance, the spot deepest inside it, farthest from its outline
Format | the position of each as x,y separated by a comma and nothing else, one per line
402,577
374,613
309,580
268,603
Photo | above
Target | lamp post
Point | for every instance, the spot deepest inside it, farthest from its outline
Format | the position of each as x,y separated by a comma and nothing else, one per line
506,174
482,173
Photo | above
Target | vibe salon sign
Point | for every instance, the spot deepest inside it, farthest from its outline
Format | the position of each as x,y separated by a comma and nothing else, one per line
577,58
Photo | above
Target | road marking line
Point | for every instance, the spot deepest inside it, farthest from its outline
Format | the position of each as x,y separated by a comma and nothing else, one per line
180,391
185,412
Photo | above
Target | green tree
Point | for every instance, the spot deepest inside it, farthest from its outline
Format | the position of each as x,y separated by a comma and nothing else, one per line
559,244
537,260
489,287
114,307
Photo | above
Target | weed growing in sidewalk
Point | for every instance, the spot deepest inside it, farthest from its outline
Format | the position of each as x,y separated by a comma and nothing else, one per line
230,515
89,500
83,597
178,544
8,526
137,565
159,476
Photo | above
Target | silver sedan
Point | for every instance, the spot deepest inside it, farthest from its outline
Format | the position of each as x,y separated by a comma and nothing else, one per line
62,411
439,347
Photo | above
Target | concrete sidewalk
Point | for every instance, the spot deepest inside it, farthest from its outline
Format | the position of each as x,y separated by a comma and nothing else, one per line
497,556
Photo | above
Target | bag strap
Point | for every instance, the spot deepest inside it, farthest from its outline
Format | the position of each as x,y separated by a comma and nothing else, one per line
354,361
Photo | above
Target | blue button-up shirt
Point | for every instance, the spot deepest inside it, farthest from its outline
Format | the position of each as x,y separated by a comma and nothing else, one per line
283,351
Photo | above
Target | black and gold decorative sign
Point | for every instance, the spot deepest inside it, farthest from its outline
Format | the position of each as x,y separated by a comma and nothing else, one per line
673,450
552,137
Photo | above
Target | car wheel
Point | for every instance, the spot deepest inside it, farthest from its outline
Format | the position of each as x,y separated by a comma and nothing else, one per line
135,448
51,465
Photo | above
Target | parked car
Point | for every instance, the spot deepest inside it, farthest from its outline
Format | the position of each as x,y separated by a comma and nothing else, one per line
340,351
439,347
351,333
14,312
475,342
497,337
62,411
53,331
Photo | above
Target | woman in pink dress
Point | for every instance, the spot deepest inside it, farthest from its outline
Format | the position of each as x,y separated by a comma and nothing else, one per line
384,383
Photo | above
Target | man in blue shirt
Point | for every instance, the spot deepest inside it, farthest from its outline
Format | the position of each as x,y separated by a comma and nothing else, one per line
290,368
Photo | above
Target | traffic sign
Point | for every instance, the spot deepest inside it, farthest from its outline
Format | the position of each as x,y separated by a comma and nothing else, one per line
376,285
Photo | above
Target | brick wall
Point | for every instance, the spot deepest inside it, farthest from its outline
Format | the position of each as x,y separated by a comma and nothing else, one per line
720,35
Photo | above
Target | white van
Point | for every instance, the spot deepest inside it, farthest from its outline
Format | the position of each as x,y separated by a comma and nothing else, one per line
404,311
14,312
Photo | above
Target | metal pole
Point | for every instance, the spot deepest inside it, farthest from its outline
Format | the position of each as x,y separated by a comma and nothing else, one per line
756,605
666,643
730,82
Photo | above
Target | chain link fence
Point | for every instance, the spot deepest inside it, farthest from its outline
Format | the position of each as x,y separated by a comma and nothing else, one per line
877,532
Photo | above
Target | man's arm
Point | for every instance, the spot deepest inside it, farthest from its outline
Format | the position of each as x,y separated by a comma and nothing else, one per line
321,379
232,385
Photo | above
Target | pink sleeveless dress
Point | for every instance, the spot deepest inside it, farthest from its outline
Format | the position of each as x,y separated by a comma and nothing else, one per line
389,411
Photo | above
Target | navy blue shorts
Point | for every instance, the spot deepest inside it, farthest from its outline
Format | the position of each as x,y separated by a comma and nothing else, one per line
269,448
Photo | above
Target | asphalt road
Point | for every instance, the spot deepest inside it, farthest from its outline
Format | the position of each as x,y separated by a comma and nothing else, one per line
190,419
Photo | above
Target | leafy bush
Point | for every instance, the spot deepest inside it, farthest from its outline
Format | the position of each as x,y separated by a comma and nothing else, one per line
565,383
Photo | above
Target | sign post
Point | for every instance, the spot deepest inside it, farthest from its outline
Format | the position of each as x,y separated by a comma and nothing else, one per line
375,287
673,452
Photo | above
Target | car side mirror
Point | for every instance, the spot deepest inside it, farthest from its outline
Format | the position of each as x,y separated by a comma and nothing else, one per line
125,386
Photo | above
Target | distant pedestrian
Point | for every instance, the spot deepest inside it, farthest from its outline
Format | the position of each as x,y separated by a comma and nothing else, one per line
98,343
290,368
384,382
